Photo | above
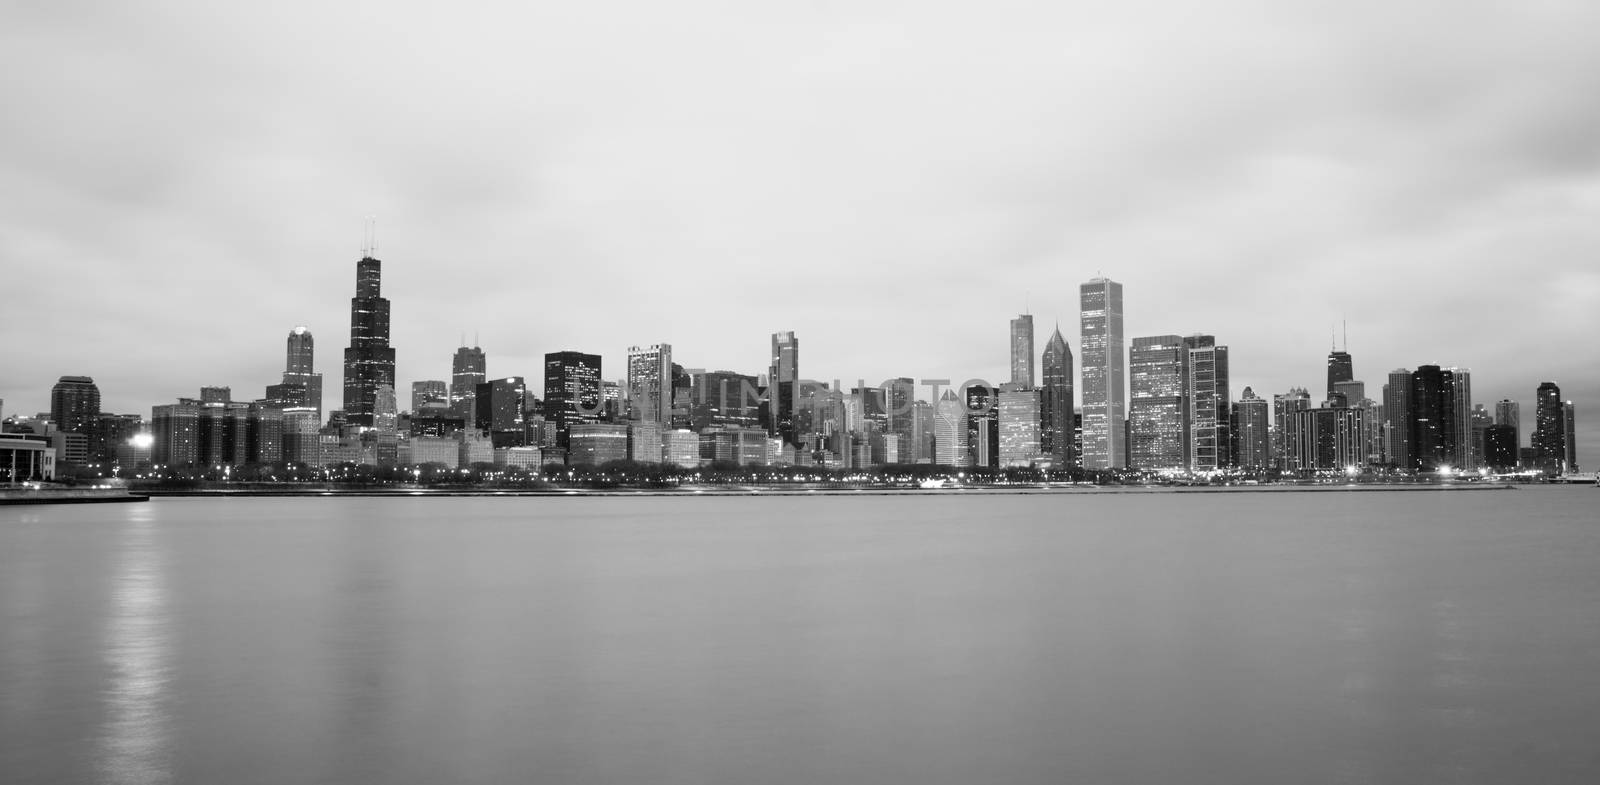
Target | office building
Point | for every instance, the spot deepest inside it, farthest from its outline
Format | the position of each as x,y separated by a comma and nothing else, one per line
950,432
1397,419
500,406
1019,427
1056,427
1285,427
369,362
650,383
1252,431
1158,426
1569,427
983,426
467,371
1207,397
783,375
1104,374
572,392
1340,369
1022,352
1509,413
1432,419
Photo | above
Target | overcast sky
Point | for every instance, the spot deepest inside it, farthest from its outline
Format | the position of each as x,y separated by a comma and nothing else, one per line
893,181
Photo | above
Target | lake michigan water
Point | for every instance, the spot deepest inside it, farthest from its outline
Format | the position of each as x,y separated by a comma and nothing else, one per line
1417,637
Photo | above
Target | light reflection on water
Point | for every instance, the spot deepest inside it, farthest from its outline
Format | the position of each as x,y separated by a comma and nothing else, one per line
134,745
867,640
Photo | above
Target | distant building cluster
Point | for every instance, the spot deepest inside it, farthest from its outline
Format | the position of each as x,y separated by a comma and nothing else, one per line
1160,404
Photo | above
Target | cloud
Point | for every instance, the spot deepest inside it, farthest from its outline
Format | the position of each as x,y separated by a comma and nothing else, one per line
892,180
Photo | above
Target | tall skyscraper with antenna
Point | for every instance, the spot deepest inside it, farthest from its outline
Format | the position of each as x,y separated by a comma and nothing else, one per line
1104,374
369,362
1340,368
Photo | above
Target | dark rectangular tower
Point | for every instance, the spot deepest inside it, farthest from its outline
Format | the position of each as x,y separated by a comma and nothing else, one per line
369,362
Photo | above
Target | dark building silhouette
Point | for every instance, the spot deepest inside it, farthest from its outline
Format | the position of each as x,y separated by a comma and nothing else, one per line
1340,369
1549,429
572,393
784,374
1500,448
724,399
1055,428
501,404
1431,418
369,362
75,404
983,426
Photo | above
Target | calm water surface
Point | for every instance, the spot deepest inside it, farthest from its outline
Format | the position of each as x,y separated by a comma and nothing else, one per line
1151,638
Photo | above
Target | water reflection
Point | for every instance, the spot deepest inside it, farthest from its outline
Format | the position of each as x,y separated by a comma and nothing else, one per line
135,740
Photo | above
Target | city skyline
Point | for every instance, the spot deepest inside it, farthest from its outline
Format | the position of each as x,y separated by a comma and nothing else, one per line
1440,199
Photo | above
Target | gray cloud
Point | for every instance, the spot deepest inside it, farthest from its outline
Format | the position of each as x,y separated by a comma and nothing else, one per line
892,180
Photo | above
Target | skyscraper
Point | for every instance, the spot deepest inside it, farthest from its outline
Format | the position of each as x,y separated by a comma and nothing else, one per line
650,382
1022,352
467,371
1569,435
1286,435
1252,419
950,432
369,362
1019,426
1104,373
1432,418
1056,431
1549,428
571,392
1158,432
1509,413
1468,453
75,404
784,373
301,385
1397,419
1207,394
1340,369
501,405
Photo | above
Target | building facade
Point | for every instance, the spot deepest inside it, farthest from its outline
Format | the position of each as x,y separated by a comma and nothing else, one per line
369,361
1104,374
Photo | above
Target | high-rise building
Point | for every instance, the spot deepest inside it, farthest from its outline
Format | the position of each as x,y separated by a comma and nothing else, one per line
75,404
1500,448
1468,452
784,374
900,401
1158,426
1340,369
650,383
1104,380
1251,430
1432,418
1207,396
369,362
724,398
1022,352
1549,428
1056,431
1397,419
428,391
983,426
572,392
1569,428
298,366
1509,413
1019,427
500,406
467,371
950,432
1286,427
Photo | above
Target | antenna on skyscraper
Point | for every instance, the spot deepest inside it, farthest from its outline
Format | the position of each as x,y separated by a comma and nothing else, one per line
1346,325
